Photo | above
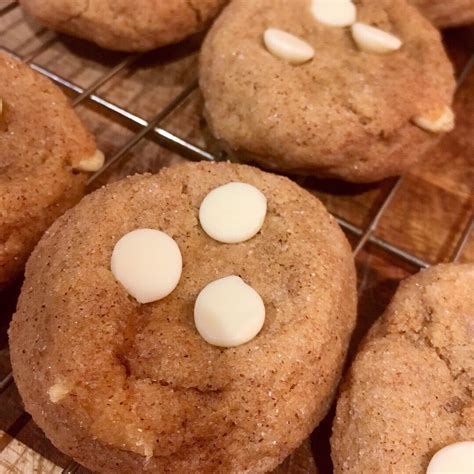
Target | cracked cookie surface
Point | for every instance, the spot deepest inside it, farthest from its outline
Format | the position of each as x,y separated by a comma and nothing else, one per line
345,113
300,462
410,389
135,384
41,140
126,25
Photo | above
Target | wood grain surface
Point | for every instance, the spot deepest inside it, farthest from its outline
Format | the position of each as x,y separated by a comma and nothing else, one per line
426,218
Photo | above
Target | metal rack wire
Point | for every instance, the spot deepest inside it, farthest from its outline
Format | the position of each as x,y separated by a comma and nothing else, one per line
363,236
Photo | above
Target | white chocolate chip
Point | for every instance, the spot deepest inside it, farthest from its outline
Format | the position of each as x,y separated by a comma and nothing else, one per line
59,391
457,458
145,448
286,46
233,213
228,312
374,40
148,263
334,12
92,163
436,123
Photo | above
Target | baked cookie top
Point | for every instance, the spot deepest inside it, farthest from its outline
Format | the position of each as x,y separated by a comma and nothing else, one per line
409,392
135,383
444,14
300,462
43,147
126,25
345,112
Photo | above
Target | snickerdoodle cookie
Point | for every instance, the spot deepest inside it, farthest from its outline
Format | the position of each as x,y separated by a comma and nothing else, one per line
444,14
45,152
409,392
126,25
295,87
129,387
300,462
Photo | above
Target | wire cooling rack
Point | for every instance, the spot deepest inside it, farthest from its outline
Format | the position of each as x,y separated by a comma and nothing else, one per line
361,236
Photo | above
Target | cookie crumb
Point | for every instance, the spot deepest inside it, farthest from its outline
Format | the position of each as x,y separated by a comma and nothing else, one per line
59,391
91,164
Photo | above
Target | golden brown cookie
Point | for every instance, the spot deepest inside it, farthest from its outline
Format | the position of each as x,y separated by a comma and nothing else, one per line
300,462
43,145
124,387
409,391
126,25
447,13
345,113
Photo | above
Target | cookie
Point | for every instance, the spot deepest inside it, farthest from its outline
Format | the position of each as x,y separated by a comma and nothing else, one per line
300,462
127,387
43,148
343,113
445,14
409,392
125,25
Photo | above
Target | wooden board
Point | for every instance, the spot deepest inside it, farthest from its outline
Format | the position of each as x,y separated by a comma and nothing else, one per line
426,218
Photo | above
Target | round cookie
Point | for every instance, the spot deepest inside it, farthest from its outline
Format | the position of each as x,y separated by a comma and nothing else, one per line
409,392
124,387
126,25
43,147
445,14
344,113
